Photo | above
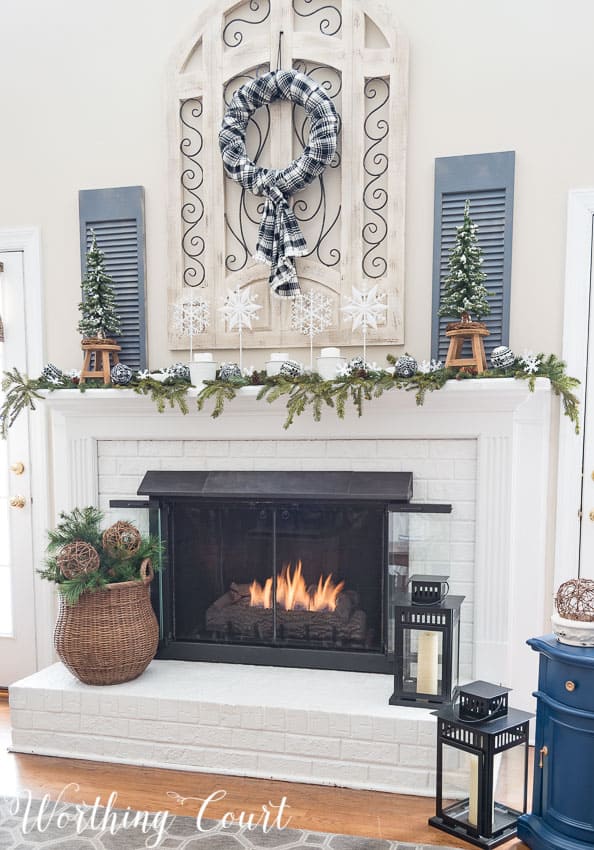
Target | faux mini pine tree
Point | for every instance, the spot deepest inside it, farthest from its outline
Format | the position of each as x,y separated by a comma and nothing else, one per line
465,294
99,317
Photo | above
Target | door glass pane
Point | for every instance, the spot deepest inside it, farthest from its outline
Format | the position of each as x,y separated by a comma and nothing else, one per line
5,589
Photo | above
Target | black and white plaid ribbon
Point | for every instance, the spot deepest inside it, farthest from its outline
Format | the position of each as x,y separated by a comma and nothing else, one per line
279,238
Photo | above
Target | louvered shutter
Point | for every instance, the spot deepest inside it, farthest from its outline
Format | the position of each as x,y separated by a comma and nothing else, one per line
487,180
116,216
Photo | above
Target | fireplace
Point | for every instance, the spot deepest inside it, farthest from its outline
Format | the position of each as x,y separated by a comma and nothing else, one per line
282,568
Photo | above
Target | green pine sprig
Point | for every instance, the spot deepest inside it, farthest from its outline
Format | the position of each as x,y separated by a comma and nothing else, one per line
85,524
171,392
20,394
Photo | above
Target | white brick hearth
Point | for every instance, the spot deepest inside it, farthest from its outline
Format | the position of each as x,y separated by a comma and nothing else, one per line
322,727
482,445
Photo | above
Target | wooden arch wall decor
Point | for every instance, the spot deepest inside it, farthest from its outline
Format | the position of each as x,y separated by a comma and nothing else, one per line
352,216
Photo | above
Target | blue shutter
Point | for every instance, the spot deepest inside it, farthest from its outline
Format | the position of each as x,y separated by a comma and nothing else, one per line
487,180
117,218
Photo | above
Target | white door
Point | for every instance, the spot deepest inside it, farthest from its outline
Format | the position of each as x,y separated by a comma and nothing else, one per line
17,601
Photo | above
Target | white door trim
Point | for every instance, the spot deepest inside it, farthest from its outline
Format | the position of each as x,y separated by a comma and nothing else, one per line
28,240
578,276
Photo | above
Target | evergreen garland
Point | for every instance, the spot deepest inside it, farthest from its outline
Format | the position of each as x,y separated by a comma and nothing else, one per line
98,307
464,292
300,393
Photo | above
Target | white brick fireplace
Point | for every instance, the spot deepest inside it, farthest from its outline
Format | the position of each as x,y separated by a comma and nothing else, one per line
482,445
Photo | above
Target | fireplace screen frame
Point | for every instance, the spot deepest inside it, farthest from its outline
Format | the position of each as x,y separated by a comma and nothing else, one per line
161,505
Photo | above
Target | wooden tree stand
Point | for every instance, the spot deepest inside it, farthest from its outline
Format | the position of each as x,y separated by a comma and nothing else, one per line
458,334
101,353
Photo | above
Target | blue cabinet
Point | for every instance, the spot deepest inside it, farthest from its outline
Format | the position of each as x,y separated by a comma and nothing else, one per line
562,815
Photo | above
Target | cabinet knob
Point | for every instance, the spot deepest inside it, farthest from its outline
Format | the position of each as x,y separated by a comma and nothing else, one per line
570,686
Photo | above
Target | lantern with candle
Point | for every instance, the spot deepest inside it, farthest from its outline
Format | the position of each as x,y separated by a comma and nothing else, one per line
474,739
427,643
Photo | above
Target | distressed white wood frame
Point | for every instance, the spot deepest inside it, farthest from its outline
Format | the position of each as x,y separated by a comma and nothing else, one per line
200,68
579,357
28,240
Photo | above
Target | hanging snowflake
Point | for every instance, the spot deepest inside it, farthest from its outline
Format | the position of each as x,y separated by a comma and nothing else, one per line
366,310
530,362
240,310
311,314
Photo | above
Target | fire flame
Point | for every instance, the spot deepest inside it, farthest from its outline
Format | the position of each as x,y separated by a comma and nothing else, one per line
292,593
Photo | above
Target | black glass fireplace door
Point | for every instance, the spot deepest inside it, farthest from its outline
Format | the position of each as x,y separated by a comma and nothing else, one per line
276,583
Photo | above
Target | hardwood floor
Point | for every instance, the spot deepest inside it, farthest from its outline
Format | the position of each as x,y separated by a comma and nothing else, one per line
319,808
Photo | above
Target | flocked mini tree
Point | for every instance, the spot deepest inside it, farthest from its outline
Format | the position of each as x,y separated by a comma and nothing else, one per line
465,294
99,317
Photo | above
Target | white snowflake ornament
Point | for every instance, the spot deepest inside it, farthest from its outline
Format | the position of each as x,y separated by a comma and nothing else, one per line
427,366
530,362
240,310
366,310
191,316
311,314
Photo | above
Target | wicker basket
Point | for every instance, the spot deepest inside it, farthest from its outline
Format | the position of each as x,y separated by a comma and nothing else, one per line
111,635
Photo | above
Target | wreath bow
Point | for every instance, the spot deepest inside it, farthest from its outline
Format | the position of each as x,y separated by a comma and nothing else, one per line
280,239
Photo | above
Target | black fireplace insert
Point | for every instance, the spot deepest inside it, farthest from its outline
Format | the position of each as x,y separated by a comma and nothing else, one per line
281,568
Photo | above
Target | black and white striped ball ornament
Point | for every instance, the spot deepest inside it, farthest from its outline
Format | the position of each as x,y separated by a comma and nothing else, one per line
290,369
229,372
502,357
121,375
357,364
405,366
181,371
52,373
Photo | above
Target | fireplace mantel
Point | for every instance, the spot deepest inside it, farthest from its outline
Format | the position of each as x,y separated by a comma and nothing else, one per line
509,422
489,396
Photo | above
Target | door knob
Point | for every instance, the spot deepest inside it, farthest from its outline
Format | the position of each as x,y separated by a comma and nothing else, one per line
18,502
544,751
18,468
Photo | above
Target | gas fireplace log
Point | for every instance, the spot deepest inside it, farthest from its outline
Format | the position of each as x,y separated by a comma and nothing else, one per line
238,618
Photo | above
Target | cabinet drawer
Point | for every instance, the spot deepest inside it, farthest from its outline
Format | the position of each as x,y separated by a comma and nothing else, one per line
569,684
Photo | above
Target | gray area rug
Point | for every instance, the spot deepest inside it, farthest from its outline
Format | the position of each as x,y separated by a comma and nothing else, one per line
23,827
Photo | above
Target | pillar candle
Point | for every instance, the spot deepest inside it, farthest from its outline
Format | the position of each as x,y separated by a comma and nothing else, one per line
427,662
473,791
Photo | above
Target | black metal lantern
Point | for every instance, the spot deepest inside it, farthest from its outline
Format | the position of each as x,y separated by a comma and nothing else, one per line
473,738
426,643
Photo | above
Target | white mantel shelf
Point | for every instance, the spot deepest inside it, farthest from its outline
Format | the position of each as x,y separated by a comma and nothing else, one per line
458,403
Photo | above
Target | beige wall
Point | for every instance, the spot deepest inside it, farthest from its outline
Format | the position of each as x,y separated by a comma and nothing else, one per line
82,105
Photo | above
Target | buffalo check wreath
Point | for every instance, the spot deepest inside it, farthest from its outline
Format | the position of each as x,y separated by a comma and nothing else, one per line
279,236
